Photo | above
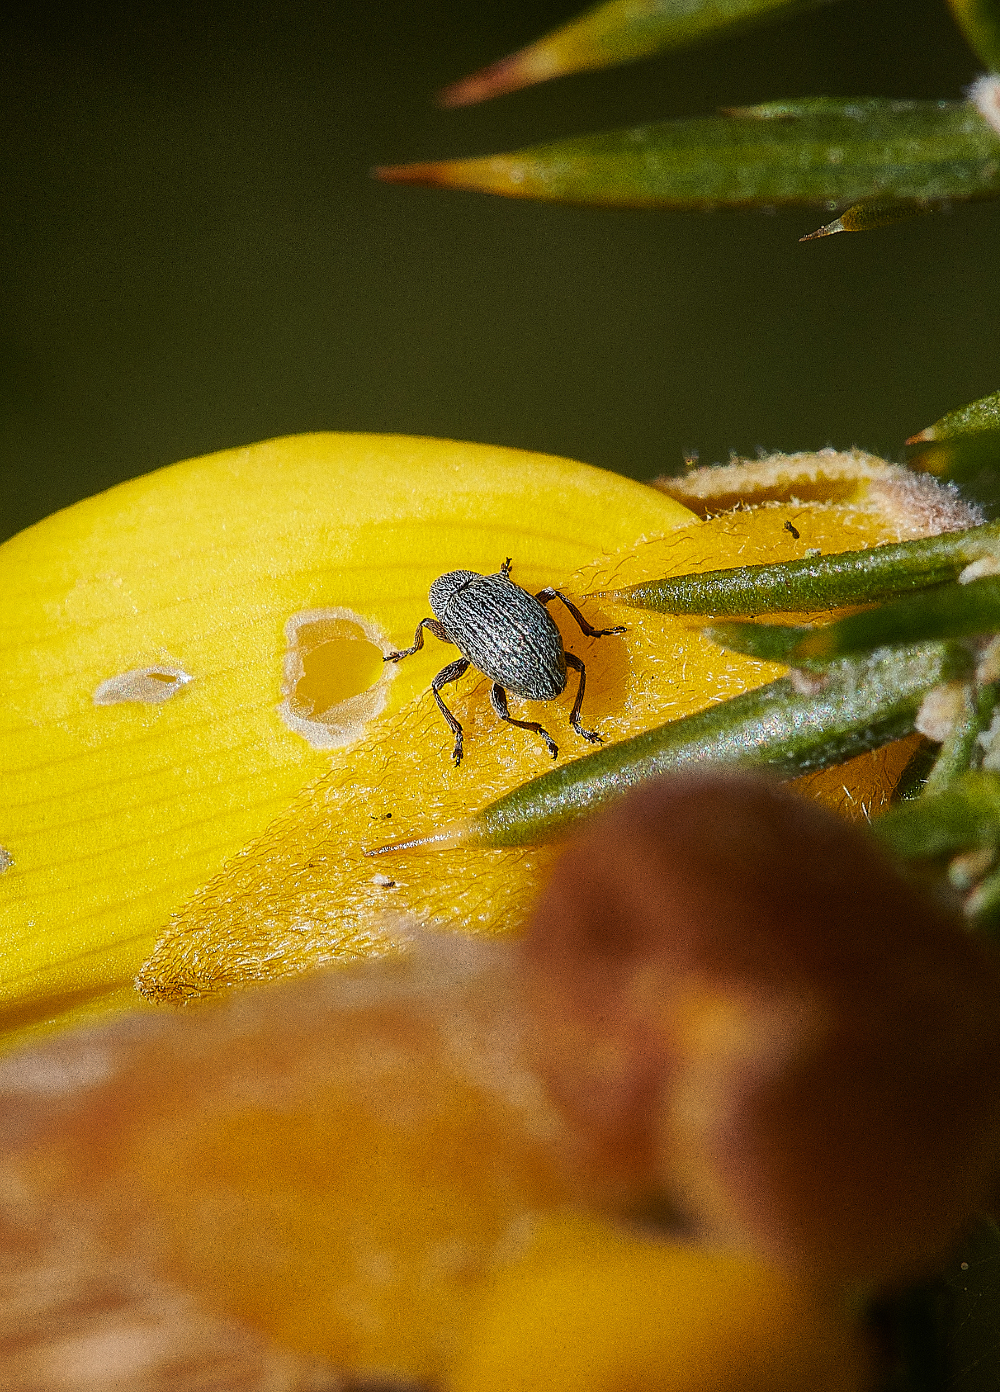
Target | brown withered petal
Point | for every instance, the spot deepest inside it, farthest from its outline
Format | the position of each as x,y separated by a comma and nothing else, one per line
749,1011
296,1190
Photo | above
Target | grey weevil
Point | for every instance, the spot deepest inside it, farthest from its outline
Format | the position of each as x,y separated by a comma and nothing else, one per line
508,635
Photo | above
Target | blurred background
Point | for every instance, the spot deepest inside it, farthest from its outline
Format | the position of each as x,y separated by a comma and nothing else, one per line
196,257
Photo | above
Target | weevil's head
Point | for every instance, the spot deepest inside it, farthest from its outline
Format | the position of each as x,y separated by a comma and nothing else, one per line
445,587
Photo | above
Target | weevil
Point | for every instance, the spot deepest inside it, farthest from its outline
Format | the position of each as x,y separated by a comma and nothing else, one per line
506,633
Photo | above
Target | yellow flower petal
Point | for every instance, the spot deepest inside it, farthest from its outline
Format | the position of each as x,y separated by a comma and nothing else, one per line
115,806
185,653
590,1309
305,894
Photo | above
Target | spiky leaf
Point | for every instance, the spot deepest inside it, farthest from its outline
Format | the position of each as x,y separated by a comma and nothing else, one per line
818,151
819,582
617,32
860,705
951,611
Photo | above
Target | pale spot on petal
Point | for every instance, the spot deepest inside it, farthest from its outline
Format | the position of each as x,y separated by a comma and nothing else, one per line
149,685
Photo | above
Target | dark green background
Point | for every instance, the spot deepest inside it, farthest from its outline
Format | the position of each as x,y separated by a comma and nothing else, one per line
195,256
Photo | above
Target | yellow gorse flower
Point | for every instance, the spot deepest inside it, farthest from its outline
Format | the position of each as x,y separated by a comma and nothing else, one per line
198,742
186,653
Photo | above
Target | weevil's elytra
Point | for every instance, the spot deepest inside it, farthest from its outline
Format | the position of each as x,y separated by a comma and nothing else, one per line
504,631
508,635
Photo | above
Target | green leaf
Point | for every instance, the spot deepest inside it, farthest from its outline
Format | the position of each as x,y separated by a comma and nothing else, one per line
768,642
963,818
949,611
819,582
952,611
977,418
618,32
808,152
979,21
862,704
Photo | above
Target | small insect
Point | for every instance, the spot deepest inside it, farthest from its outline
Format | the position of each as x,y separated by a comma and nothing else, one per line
509,636
794,530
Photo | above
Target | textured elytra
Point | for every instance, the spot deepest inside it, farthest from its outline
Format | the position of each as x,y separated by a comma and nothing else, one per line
504,631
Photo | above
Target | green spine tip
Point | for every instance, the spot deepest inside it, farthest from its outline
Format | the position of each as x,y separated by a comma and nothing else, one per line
861,704
977,418
442,839
523,69
409,173
479,86
923,437
827,231
870,213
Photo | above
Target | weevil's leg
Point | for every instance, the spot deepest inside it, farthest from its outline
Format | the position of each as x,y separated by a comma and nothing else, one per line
574,715
548,595
418,639
451,673
499,699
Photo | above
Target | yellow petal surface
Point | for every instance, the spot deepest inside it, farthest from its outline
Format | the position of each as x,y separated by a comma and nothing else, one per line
116,803
305,894
594,1310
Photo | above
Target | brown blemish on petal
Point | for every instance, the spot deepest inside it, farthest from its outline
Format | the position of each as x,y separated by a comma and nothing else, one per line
335,678
147,685
915,505
826,475
6,859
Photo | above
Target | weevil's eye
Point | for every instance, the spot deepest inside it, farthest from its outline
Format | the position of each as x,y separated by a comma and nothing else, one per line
335,679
